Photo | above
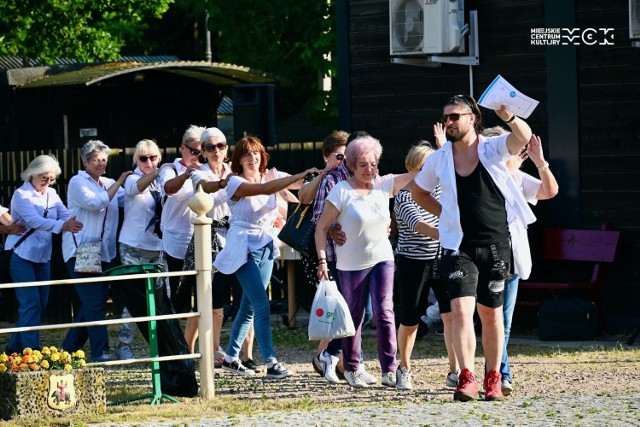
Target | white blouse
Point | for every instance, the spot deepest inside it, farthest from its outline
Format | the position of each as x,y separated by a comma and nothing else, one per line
176,215
250,227
27,208
87,201
139,209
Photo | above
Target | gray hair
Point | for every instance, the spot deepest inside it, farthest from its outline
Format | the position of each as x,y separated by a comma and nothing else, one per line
193,133
90,147
211,133
41,164
149,146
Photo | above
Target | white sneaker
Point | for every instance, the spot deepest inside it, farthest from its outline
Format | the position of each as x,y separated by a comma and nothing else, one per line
451,380
403,379
507,387
354,378
366,376
389,379
329,363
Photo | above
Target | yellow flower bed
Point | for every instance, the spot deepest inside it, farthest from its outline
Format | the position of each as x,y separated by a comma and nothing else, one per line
48,358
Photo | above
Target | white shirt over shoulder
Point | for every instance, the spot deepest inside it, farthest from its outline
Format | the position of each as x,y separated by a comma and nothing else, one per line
365,220
27,208
87,201
522,263
439,169
139,210
176,216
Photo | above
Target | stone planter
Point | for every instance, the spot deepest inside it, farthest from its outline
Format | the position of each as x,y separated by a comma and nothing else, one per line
46,394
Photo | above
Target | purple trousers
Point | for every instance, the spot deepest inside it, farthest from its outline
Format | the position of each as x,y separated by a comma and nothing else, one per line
355,286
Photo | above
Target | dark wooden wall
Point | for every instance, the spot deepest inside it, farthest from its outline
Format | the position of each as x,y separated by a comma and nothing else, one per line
598,179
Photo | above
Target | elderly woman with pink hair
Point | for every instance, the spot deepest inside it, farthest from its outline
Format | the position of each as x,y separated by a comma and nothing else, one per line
365,262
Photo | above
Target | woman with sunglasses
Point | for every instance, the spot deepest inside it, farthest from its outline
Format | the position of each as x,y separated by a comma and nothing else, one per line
37,207
174,180
333,148
139,239
95,201
251,247
214,148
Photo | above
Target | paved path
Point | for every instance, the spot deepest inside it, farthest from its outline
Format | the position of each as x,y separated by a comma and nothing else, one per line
566,411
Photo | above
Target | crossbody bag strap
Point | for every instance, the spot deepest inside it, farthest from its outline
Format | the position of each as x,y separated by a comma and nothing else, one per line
30,232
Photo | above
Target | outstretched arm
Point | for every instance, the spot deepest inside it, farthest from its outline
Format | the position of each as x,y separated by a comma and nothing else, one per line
253,189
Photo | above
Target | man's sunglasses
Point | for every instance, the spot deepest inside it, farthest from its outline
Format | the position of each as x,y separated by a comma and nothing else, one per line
211,147
193,151
453,116
144,159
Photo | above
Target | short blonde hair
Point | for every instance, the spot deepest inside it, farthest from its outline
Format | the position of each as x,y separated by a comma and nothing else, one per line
417,155
41,164
147,146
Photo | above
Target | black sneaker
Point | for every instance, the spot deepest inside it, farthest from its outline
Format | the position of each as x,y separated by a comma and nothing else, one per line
237,368
251,364
278,371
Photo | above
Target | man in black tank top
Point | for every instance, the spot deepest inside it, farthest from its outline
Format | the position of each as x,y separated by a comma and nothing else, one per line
474,234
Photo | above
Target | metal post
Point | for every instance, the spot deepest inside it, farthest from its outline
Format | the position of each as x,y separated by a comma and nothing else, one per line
202,203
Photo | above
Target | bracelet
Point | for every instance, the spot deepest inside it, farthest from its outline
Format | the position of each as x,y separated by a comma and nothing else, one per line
545,165
511,119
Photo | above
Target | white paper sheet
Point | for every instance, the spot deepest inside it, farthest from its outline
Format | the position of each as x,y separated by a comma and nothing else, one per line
501,92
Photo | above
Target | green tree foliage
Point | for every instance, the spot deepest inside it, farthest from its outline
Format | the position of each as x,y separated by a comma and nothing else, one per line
290,39
75,29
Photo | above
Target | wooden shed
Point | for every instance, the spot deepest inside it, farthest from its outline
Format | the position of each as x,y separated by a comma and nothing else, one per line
589,97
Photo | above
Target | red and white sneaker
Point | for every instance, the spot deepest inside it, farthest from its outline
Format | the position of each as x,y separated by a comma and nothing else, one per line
493,386
467,387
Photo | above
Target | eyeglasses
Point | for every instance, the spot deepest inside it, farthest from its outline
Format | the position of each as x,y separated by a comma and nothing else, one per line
211,147
193,151
339,156
453,116
47,179
144,159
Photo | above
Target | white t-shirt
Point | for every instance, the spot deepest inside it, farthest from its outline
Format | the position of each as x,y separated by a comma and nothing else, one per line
139,209
365,220
176,215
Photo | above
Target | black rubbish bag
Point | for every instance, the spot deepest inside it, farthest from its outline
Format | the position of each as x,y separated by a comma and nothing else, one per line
177,377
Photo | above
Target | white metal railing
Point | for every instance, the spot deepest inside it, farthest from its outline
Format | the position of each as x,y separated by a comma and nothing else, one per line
200,203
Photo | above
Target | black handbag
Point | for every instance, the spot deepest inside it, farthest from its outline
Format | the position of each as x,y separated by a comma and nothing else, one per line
299,230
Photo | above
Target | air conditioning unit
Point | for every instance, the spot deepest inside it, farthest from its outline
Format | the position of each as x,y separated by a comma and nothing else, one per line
425,26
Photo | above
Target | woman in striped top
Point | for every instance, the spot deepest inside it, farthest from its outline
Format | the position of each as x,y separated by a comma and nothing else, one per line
416,250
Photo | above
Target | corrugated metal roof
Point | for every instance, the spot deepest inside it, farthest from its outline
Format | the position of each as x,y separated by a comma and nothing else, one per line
11,62
215,73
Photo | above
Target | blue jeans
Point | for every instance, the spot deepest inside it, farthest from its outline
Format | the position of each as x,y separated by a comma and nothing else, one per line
254,276
32,300
93,306
510,294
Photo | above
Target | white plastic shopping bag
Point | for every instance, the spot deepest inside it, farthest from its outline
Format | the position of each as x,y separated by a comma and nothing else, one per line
330,317
342,325
322,310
